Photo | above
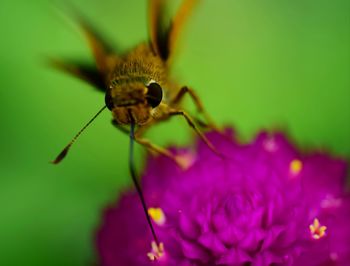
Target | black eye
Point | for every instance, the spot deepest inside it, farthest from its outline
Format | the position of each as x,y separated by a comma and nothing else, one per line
154,94
109,101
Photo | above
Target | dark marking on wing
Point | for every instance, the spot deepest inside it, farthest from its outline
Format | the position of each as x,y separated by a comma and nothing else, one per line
83,71
163,35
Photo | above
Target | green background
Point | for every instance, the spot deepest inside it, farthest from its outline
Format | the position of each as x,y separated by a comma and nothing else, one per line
256,64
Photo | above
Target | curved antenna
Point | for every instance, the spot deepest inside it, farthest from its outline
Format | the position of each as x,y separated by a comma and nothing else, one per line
64,152
136,183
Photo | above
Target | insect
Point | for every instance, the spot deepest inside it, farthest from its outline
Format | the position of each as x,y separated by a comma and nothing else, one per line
138,89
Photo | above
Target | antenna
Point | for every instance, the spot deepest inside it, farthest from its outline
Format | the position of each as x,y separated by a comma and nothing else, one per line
64,152
136,183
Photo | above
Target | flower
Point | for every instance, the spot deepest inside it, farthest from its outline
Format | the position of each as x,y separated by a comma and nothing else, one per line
265,203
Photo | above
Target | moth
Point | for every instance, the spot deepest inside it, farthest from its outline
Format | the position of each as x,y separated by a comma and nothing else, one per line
137,85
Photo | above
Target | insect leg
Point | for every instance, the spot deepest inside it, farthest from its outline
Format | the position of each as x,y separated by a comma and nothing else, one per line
149,145
155,148
197,102
192,124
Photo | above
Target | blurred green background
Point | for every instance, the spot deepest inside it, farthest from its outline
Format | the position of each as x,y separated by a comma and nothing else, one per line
256,64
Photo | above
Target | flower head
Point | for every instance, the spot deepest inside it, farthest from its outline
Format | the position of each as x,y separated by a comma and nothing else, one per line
265,203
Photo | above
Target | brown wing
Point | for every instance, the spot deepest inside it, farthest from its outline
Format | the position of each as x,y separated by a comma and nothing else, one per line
101,49
104,55
83,71
164,37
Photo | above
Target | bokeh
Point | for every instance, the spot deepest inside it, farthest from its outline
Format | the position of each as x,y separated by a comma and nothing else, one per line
256,64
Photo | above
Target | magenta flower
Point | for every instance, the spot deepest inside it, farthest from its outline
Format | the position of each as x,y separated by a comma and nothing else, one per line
265,204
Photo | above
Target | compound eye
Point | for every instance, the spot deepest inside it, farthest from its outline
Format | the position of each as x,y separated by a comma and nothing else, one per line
109,101
154,94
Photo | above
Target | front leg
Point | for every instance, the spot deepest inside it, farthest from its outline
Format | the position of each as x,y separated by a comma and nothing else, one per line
149,145
197,103
193,126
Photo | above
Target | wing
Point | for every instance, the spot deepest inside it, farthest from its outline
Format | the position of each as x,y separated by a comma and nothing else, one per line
101,49
164,37
83,71
105,57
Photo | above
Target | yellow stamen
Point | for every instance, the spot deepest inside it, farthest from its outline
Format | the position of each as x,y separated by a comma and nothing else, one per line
317,231
157,251
295,166
157,215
